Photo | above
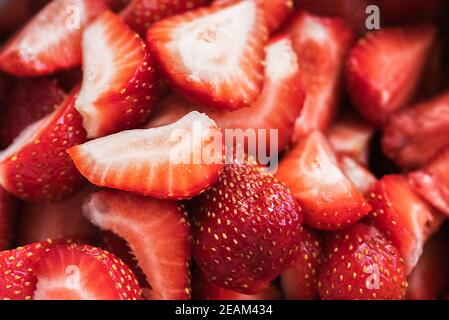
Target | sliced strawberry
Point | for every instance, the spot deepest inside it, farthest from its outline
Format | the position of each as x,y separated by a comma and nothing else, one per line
384,69
171,109
63,220
403,217
413,137
329,199
351,136
361,264
82,272
246,229
300,282
29,100
175,162
213,55
142,14
360,176
8,206
122,97
429,280
17,278
52,40
36,167
321,45
432,182
157,232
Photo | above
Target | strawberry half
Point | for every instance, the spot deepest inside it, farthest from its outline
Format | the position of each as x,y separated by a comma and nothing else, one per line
142,14
329,199
176,162
8,206
384,69
360,176
300,282
403,217
407,134
122,97
36,167
82,272
213,55
246,229
51,41
29,100
157,232
321,45
361,264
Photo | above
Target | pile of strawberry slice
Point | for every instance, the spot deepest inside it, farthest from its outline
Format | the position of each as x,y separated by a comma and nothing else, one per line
133,164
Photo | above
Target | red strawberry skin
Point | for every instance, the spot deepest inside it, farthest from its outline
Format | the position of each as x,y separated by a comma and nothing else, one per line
37,168
29,100
45,44
354,259
8,208
300,282
246,229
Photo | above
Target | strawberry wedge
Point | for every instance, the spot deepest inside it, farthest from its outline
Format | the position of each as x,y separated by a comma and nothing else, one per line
157,232
362,178
176,162
36,166
213,55
51,41
119,83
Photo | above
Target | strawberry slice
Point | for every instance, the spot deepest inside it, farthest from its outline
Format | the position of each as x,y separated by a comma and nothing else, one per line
403,217
384,69
300,282
82,272
17,278
361,264
63,220
213,55
246,229
407,134
36,167
158,233
122,97
362,178
329,199
321,45
142,14
51,41
8,206
29,100
174,162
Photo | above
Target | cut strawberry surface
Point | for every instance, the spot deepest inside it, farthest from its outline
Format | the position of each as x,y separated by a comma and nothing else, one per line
403,217
36,167
29,100
413,137
52,40
300,282
384,69
360,263
82,272
158,233
246,229
163,162
362,178
142,14
8,206
329,199
119,83
321,45
213,55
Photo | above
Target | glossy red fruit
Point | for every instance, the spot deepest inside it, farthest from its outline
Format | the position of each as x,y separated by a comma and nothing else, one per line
158,234
213,55
36,166
329,199
300,282
82,272
360,263
51,41
246,229
8,216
